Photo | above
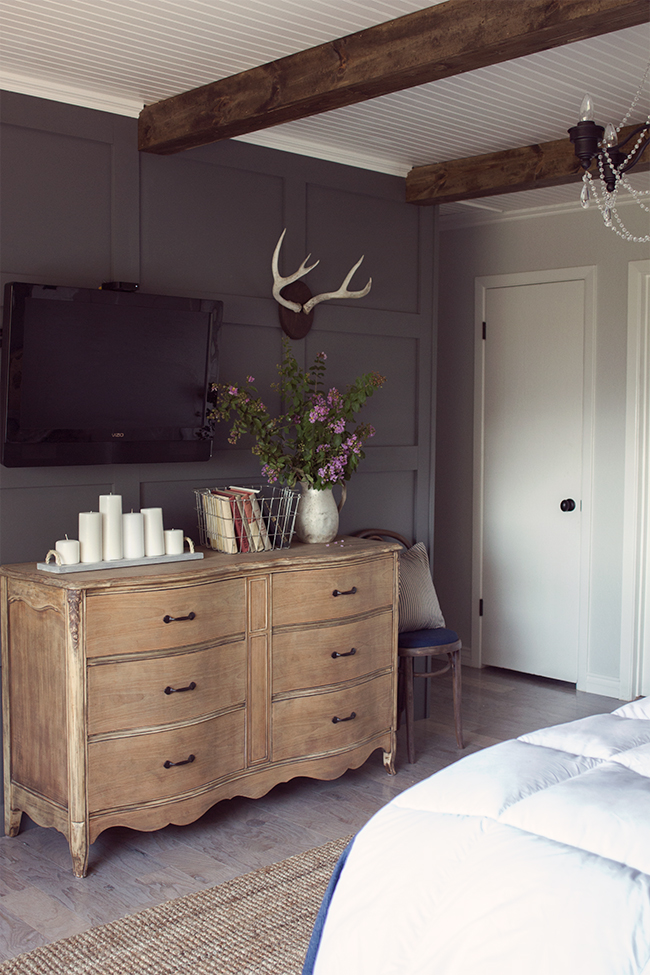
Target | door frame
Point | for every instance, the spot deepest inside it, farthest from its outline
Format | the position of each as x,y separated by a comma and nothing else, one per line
635,594
481,286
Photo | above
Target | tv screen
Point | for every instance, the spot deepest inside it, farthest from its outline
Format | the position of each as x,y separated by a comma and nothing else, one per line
94,376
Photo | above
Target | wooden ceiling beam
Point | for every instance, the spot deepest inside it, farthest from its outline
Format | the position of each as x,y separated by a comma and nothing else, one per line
510,171
426,45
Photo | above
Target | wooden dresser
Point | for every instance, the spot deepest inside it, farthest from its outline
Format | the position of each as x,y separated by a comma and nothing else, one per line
142,696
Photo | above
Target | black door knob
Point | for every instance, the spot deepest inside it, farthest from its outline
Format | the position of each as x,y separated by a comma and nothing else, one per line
568,504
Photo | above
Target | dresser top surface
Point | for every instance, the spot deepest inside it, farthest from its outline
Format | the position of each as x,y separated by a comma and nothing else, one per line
212,566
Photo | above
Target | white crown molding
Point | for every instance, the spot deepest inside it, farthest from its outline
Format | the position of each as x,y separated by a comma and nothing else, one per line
273,139
70,95
475,218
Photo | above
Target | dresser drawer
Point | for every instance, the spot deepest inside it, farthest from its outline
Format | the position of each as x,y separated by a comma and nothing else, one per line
130,771
331,654
304,726
309,595
128,622
138,693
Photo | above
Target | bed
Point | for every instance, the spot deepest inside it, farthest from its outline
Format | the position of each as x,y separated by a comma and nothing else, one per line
531,856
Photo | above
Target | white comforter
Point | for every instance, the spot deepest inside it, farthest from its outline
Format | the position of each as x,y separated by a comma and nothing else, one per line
531,857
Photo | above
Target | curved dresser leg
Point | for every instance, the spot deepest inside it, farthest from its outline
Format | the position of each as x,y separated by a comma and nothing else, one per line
79,848
12,821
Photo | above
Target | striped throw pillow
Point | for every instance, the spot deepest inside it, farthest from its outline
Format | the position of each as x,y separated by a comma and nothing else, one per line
419,608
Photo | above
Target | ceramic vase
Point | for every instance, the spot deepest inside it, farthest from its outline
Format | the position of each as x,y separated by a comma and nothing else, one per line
317,518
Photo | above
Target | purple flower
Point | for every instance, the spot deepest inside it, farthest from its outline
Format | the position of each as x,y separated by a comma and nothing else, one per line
319,409
269,473
333,397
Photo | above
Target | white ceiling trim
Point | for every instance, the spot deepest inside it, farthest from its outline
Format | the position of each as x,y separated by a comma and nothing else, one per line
70,95
517,206
273,139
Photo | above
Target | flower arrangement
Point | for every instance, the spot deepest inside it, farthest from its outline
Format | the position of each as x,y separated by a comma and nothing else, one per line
312,441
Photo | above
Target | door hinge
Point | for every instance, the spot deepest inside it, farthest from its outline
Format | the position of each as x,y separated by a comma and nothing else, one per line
484,330
480,607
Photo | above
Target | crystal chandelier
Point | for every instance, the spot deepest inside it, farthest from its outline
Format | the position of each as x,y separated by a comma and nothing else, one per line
591,140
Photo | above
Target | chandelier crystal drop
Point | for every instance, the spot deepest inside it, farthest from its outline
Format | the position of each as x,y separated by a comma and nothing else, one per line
593,141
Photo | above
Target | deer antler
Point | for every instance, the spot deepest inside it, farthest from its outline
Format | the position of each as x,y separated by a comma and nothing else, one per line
341,293
279,282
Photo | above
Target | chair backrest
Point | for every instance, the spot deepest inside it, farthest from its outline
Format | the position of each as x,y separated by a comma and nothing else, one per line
379,535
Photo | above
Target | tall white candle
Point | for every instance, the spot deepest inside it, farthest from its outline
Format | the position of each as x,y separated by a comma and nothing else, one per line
174,541
68,549
90,536
154,540
133,535
110,506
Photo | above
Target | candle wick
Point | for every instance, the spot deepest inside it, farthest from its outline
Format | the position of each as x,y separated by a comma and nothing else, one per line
66,538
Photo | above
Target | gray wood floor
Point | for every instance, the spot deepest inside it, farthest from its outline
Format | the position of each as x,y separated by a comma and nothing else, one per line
40,900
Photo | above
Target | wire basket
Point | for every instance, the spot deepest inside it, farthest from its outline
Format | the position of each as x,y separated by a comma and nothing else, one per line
252,518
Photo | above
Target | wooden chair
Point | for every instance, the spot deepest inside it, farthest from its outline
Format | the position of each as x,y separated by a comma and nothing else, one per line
429,643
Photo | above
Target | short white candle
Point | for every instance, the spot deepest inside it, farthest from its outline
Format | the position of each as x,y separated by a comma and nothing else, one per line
90,536
133,535
110,506
154,541
174,541
68,549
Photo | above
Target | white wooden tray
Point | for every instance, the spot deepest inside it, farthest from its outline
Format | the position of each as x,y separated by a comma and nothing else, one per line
117,563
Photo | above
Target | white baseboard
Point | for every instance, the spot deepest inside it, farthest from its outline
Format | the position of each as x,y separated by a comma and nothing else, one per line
466,657
606,686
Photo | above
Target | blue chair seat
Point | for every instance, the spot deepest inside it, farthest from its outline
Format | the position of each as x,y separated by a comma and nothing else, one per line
438,637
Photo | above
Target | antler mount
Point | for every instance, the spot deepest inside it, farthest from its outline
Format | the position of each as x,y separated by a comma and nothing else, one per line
295,299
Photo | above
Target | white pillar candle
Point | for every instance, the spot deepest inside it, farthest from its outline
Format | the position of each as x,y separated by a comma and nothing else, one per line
68,549
90,536
133,535
174,541
110,506
154,541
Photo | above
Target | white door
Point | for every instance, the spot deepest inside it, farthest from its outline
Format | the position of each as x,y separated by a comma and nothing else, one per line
635,615
532,470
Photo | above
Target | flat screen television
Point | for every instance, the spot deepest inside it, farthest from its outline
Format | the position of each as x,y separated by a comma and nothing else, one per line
96,376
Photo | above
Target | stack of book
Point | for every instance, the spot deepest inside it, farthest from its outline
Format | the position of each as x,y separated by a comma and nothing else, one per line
241,519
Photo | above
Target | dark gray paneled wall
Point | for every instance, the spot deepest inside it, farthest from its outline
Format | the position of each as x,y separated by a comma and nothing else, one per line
82,206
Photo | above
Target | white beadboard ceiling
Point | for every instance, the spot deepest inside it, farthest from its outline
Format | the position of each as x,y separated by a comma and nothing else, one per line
118,55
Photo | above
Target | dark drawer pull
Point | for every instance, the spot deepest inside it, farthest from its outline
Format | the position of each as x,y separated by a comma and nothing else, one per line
178,619
348,592
350,653
187,761
349,718
177,690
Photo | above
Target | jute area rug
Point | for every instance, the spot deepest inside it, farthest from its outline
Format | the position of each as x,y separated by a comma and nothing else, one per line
258,924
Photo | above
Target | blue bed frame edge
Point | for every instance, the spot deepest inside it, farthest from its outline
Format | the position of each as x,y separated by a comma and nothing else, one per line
319,923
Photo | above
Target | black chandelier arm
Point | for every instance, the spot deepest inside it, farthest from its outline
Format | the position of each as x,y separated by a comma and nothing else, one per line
634,133
633,160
